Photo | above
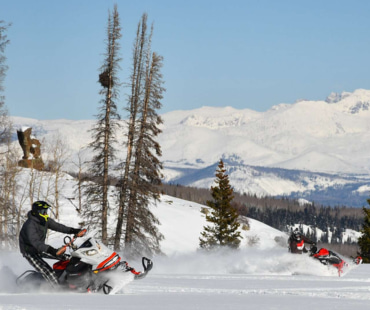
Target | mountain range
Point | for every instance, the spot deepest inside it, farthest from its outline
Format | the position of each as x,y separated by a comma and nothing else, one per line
318,150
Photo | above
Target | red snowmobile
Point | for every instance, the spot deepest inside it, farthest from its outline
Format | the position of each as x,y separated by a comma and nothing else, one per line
327,257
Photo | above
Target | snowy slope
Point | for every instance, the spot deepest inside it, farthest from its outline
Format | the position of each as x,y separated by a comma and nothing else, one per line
182,235
261,275
181,220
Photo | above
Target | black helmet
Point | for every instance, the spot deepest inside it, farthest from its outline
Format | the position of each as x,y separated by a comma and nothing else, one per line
40,208
296,234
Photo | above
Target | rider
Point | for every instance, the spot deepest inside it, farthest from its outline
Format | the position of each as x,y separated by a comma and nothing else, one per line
32,239
297,242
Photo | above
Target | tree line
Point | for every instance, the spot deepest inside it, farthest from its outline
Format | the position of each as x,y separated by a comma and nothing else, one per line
282,213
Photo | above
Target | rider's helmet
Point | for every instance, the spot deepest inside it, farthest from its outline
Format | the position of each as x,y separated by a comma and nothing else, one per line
296,234
40,208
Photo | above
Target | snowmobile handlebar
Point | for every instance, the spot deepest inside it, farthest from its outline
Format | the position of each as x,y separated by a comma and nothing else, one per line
68,242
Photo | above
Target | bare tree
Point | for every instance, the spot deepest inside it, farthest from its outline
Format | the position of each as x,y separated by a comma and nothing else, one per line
5,123
58,154
10,213
3,68
80,164
8,171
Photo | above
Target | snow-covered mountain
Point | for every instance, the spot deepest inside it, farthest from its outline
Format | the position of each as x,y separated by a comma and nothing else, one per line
307,149
308,135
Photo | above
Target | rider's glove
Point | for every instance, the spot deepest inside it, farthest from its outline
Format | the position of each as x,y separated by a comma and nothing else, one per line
52,251
77,232
56,252
74,231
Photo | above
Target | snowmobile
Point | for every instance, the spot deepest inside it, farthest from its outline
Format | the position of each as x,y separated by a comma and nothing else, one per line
327,257
88,268
357,260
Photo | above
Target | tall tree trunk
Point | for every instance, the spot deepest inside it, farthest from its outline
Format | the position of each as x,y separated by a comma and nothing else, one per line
136,86
104,130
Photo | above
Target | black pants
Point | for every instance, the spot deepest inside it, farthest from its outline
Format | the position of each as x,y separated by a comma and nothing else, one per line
43,267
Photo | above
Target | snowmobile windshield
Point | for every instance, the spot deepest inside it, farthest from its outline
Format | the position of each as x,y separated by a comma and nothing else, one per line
86,244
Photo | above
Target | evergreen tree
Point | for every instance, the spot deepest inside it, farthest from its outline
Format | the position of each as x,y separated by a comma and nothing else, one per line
364,240
103,132
223,230
141,177
136,85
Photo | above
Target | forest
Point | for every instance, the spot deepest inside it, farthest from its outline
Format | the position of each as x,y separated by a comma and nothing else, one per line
282,213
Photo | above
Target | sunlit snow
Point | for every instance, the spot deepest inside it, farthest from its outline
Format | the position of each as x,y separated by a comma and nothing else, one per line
260,275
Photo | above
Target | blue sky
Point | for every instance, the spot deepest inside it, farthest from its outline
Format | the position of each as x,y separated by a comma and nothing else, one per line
240,53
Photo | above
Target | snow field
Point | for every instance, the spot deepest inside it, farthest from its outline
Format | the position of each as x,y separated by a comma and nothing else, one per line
261,279
259,276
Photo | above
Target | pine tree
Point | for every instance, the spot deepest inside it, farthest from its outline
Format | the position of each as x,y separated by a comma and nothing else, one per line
96,208
223,230
136,84
364,240
142,234
141,177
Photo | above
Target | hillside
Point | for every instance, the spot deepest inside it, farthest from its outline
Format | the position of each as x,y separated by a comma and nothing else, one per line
181,221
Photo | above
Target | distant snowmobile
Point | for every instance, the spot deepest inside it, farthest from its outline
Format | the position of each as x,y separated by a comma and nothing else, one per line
88,268
357,260
327,257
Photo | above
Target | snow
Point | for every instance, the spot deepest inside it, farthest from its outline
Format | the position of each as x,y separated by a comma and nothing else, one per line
250,280
260,275
363,189
23,128
350,234
303,202
329,136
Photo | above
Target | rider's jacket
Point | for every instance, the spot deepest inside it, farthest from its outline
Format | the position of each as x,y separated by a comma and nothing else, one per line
33,233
